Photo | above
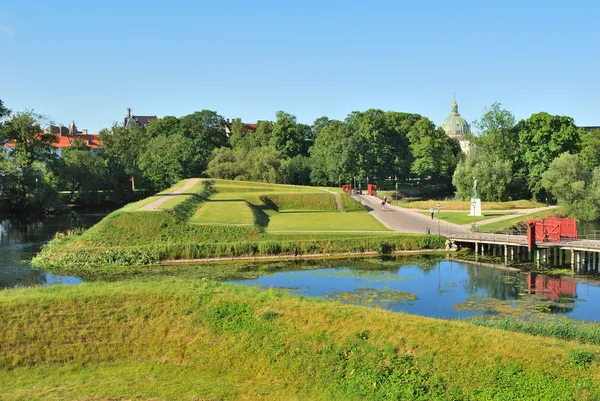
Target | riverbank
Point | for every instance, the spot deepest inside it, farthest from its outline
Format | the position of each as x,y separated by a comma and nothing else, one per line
181,339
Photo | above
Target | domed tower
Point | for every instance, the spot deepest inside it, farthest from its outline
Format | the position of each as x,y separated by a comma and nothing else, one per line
457,127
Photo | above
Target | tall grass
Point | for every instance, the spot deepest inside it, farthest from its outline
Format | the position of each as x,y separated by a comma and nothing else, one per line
177,339
55,256
584,333
350,204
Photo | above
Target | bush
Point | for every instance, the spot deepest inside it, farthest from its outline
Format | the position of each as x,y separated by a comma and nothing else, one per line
581,358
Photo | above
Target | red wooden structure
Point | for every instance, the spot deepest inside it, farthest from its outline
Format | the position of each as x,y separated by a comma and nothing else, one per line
372,188
550,287
347,188
551,230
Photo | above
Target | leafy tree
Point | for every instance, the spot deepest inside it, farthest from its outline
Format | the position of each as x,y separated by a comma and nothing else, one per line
434,153
239,135
262,135
295,171
31,143
334,154
3,110
543,137
590,149
497,134
168,159
83,172
287,138
225,164
493,174
123,147
574,187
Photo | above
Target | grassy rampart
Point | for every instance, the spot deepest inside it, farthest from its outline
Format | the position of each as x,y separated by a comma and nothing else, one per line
300,201
187,340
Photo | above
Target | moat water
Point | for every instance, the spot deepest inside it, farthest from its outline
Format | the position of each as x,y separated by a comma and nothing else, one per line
427,286
21,240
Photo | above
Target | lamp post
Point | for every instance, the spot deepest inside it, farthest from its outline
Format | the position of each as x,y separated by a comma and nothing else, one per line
396,193
439,206
473,205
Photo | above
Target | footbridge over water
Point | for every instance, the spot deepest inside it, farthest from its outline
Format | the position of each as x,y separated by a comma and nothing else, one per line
583,254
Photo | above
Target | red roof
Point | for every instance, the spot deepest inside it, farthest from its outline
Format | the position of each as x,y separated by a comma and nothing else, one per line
64,141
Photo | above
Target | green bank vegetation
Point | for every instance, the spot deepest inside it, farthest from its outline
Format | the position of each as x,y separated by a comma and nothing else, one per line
519,223
466,205
181,339
463,218
221,218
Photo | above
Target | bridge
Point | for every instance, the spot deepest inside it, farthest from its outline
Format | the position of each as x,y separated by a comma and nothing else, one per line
580,254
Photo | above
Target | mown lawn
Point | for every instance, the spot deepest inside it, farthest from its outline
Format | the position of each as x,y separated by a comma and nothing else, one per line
191,339
324,221
509,224
466,205
462,218
224,212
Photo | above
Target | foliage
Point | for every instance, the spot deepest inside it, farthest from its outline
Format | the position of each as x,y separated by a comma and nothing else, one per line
493,174
590,149
575,187
581,358
82,172
543,137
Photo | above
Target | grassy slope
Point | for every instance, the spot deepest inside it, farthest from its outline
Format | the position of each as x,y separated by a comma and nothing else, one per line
512,224
180,198
177,339
463,218
324,221
312,202
230,212
150,199
465,205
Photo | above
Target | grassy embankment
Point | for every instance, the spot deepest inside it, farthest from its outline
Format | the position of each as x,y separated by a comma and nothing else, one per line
176,339
221,218
466,205
463,218
519,224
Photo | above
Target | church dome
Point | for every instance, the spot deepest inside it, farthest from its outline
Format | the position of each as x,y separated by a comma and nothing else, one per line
454,125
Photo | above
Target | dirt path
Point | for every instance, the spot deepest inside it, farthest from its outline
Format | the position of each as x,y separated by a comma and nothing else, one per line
153,206
338,200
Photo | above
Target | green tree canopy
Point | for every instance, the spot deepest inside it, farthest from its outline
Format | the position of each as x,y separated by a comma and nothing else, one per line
543,137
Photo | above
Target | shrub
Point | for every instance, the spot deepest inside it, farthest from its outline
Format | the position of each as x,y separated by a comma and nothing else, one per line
581,358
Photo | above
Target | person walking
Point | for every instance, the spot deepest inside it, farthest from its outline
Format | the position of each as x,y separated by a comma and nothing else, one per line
432,211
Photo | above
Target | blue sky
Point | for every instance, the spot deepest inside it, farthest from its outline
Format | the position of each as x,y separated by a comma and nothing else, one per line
89,61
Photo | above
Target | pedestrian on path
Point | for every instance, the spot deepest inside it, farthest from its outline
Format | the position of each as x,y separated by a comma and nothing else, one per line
384,202
432,211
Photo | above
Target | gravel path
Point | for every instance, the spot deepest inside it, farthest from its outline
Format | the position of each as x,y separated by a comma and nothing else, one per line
153,206
338,200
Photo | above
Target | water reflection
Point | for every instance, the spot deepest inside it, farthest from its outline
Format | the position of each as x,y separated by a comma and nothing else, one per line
21,239
439,288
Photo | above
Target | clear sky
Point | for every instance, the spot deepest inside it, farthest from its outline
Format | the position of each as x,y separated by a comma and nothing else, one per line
88,61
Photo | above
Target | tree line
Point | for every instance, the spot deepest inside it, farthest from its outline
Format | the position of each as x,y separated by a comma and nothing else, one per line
510,160
544,157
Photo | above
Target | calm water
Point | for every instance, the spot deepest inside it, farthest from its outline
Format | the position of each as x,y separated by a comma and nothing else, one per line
444,289
20,241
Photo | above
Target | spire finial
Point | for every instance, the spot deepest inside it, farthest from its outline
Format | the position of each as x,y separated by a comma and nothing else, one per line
454,107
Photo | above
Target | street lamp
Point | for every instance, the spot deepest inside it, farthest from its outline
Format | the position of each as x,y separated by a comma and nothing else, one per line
396,193
439,206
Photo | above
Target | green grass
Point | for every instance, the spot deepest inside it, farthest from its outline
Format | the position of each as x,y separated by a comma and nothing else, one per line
466,205
180,198
518,223
463,218
231,212
150,199
324,221
349,204
311,202
189,339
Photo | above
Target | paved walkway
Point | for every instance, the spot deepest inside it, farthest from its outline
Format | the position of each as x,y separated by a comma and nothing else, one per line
153,206
407,220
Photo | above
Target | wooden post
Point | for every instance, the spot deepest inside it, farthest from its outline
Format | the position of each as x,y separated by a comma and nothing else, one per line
505,254
578,262
537,259
572,260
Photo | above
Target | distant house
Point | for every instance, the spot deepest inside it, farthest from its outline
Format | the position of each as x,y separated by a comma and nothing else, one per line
131,120
229,125
64,138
